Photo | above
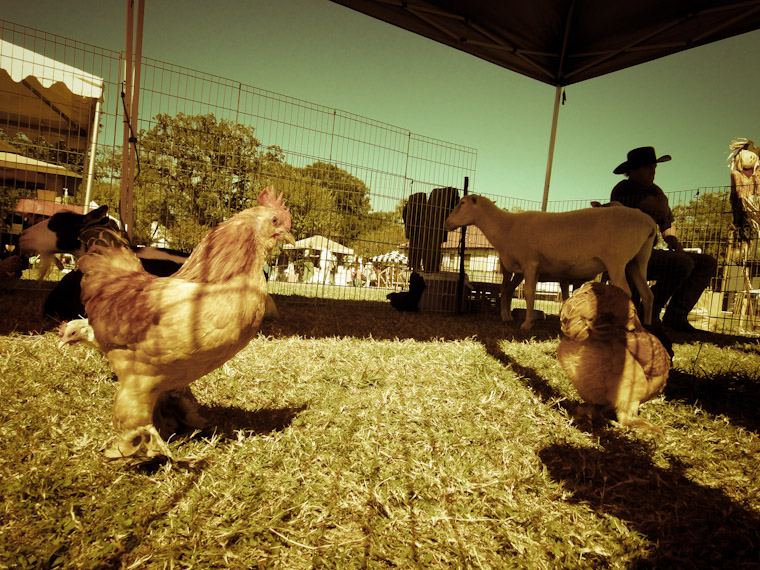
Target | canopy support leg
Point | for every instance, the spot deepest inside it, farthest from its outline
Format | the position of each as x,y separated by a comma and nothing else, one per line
552,139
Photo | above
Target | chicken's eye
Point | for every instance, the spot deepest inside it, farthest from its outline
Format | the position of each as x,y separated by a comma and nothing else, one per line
274,220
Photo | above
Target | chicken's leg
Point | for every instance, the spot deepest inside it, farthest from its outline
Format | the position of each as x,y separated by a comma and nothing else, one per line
135,402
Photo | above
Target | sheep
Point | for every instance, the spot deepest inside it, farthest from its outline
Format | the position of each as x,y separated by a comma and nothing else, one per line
575,245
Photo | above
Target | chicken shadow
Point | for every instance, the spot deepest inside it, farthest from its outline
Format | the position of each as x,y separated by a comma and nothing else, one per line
687,523
226,421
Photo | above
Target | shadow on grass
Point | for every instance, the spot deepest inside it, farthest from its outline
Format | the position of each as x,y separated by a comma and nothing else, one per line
735,397
227,421
689,525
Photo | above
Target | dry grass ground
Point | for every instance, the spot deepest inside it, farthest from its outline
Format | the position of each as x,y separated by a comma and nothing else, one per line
351,436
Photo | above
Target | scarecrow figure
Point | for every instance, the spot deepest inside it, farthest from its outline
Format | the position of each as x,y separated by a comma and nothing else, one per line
745,188
744,162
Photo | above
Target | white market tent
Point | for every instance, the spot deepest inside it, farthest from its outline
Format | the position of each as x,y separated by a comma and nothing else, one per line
394,256
321,243
40,96
16,167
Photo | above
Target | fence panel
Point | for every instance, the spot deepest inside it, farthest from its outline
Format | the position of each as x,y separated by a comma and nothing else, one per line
206,146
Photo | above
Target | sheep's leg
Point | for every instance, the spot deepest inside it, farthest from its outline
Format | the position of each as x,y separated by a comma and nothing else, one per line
564,287
617,277
531,280
637,270
647,297
45,262
508,287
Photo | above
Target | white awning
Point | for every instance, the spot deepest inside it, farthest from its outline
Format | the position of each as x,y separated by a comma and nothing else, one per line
40,96
21,63
321,243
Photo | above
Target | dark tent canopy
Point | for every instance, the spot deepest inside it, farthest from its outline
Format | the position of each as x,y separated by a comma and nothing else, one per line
561,42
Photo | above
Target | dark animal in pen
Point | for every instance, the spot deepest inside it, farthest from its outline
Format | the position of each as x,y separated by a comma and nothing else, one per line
423,226
409,301
10,271
64,301
69,232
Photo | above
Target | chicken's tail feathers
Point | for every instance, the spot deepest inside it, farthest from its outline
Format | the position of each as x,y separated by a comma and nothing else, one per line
100,236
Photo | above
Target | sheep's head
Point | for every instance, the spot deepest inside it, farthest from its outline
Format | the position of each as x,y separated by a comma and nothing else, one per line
464,214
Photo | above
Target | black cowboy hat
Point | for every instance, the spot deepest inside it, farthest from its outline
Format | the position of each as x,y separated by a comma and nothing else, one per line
640,157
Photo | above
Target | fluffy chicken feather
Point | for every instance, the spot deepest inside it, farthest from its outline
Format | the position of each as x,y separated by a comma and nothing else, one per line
611,359
162,333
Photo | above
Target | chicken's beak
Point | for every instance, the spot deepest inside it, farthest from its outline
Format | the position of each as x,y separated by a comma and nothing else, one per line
288,237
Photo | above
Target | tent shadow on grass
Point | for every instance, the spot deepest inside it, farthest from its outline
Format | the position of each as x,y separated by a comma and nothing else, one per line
690,525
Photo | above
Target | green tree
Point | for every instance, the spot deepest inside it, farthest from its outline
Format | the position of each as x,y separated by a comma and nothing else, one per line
194,171
705,222
381,232
350,196
310,203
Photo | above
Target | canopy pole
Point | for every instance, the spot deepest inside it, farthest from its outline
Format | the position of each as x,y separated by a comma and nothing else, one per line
125,205
130,96
552,139
93,148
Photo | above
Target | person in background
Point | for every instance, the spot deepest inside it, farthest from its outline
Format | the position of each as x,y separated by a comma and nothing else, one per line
681,276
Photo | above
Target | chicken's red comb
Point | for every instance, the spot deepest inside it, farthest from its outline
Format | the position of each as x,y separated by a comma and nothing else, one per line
270,199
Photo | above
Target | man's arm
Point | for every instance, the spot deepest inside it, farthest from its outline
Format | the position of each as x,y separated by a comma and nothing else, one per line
670,236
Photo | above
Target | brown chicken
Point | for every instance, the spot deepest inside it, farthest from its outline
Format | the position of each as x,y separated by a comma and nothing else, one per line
611,359
162,333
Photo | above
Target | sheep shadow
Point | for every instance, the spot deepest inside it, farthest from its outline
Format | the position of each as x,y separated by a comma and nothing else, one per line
688,524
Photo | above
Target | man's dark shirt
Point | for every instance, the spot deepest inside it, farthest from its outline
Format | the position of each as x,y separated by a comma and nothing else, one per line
650,200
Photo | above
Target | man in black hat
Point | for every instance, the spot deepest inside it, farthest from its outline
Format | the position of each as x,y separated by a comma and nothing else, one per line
680,275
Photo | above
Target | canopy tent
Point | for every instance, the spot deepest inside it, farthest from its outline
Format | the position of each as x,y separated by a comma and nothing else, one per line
394,256
560,42
43,97
321,243
32,173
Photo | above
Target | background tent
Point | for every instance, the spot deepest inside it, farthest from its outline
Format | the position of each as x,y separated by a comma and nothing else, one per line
394,256
561,42
321,243
43,97
23,172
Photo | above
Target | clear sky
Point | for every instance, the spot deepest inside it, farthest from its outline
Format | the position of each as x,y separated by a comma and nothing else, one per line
690,105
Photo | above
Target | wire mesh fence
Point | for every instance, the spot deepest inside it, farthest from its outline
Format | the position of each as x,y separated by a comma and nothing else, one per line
367,198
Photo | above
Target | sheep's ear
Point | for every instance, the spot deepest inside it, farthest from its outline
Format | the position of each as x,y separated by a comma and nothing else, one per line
95,215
